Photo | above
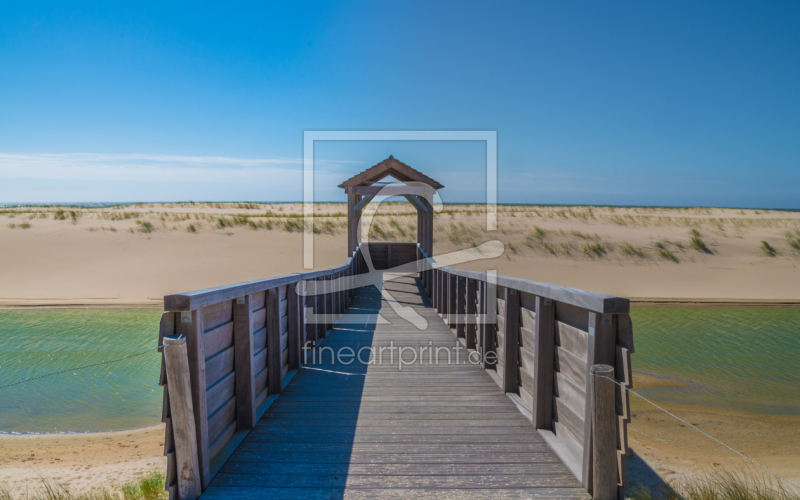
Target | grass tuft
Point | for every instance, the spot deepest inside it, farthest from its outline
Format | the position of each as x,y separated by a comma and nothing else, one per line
191,228
793,239
632,251
723,485
768,249
698,243
145,226
150,487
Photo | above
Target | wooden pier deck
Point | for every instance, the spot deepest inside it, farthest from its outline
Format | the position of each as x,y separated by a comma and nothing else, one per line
430,430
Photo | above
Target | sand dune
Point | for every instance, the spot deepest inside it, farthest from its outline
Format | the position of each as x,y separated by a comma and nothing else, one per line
136,255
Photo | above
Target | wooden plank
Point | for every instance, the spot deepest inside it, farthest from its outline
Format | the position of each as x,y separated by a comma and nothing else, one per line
190,325
257,300
600,350
260,382
260,339
511,345
259,361
222,418
217,314
570,420
571,394
544,340
625,332
218,339
221,392
570,366
604,456
293,326
186,457
218,366
273,343
471,311
189,301
572,339
224,437
259,319
461,307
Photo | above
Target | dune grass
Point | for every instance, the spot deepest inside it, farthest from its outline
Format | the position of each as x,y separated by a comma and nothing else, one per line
149,487
722,485
768,249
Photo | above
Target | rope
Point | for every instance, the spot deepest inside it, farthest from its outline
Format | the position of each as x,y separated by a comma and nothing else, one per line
81,367
700,431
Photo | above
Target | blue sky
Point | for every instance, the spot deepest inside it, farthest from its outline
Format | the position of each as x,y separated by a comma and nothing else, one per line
675,103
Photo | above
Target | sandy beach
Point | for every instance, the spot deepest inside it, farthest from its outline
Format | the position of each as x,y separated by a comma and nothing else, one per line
79,462
134,255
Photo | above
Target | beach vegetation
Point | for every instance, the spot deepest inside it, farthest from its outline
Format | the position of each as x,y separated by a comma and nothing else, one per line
25,225
191,228
793,239
12,226
632,251
145,226
594,250
722,485
292,225
768,249
698,243
664,252
149,487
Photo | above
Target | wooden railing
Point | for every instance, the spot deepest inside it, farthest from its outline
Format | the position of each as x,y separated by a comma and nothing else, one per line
229,351
243,343
539,342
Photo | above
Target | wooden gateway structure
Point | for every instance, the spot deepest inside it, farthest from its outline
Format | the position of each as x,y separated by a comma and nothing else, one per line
303,385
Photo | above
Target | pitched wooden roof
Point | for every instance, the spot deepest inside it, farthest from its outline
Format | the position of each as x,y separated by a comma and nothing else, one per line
389,167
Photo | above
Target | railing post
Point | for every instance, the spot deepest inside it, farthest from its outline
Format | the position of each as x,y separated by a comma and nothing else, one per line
243,362
182,415
190,325
274,372
293,325
544,352
604,438
471,326
511,346
461,307
452,297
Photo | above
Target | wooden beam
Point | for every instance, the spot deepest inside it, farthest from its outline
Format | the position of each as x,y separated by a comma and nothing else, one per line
416,202
274,372
601,350
394,190
363,203
511,346
544,341
471,325
190,325
182,417
604,437
243,362
461,307
294,322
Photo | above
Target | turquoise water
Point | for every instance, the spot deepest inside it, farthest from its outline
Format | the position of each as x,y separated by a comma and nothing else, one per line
109,397
744,359
738,358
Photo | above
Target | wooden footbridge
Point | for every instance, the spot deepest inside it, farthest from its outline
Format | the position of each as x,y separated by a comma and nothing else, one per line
444,383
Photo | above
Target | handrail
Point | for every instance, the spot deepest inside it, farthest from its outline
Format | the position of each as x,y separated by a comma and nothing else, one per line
189,301
593,301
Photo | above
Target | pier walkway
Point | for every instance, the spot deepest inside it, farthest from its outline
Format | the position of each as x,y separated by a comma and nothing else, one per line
431,429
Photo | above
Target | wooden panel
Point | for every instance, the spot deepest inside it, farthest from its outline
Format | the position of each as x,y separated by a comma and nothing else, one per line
571,394
570,366
625,332
569,441
220,392
260,339
243,361
527,319
221,419
257,301
273,343
260,382
218,366
218,339
261,397
259,361
223,439
217,314
526,360
569,419
527,338
511,347
572,339
282,307
573,316
259,318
